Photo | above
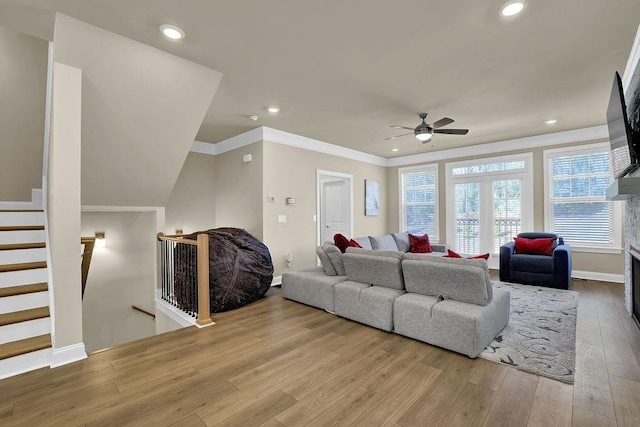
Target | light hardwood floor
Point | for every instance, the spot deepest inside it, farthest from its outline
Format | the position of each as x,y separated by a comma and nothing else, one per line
280,363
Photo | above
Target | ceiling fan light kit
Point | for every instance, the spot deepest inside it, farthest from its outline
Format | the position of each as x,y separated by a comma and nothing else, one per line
423,132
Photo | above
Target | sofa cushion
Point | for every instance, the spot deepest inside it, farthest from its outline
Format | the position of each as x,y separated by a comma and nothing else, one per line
341,242
420,244
385,242
542,246
364,242
480,263
402,241
371,305
311,287
335,256
457,279
532,263
382,268
327,266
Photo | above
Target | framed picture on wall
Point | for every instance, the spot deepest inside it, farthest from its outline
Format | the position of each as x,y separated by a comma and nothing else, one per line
371,197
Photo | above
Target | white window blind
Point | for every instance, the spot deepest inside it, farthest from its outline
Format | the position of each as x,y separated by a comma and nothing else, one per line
419,195
577,208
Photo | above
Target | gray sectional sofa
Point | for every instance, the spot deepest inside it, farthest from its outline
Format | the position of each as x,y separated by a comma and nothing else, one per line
446,302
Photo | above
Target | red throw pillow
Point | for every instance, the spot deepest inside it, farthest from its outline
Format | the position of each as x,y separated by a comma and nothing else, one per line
354,244
419,244
341,242
542,246
452,254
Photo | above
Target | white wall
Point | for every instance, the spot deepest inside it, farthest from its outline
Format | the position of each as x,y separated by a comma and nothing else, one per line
120,275
23,78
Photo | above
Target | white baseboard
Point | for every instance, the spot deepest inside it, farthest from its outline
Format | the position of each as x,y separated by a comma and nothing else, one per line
69,354
24,363
276,281
594,275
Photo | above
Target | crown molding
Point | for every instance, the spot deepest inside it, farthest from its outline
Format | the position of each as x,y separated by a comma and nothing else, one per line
264,133
557,138
299,141
632,62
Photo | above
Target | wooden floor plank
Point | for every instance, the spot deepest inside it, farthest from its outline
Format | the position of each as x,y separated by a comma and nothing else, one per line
626,399
584,418
348,409
470,408
620,357
513,402
591,390
489,374
552,404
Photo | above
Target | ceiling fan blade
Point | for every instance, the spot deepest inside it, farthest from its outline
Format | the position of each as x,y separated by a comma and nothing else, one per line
398,136
452,131
442,122
400,127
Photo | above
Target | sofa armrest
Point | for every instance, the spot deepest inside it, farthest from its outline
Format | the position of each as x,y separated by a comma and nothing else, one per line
439,247
562,266
506,251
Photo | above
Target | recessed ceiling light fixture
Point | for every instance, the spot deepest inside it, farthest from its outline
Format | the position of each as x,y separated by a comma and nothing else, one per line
394,149
512,8
171,31
273,109
552,121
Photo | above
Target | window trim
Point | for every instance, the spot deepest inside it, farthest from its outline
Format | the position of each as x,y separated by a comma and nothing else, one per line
616,245
401,220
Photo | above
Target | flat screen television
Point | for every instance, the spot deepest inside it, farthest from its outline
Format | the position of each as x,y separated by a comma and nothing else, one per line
623,139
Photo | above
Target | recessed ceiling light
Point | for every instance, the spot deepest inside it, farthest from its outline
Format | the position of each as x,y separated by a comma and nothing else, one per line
552,121
394,149
254,118
171,31
273,109
512,8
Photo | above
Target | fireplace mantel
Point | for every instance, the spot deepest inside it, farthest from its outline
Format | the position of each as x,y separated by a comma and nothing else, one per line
624,188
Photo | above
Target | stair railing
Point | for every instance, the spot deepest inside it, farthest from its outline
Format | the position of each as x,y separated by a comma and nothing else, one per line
184,274
87,252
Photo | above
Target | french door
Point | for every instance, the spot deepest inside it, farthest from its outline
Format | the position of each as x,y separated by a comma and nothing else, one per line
488,205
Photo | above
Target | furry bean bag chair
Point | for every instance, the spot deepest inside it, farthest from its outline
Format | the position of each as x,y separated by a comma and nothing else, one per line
240,270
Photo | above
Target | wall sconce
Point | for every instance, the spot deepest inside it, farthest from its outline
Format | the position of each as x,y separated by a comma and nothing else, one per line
101,240
179,232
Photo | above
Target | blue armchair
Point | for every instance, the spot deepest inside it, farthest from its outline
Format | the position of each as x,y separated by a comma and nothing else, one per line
548,270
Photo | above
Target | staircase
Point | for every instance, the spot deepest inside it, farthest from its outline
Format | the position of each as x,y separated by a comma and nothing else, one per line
25,325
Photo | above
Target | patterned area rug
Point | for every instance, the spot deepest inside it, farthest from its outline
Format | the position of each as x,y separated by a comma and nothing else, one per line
541,334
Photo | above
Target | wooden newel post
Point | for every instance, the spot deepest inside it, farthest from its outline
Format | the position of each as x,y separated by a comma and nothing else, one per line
204,310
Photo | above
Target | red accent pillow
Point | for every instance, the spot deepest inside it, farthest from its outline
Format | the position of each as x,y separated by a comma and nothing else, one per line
452,254
419,244
354,244
542,246
341,242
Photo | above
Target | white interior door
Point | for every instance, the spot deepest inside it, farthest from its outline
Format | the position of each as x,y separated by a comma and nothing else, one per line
335,206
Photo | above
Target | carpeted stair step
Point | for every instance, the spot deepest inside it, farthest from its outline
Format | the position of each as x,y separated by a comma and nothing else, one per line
23,316
17,348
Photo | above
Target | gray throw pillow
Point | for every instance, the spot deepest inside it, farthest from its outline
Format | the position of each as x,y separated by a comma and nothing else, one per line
326,262
335,255
402,241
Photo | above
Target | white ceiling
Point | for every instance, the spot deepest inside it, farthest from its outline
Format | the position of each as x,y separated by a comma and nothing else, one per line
343,71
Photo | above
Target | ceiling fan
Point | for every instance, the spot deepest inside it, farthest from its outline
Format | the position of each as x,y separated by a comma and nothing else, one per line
425,131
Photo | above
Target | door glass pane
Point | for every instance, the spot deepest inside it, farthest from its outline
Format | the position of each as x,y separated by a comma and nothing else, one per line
506,212
468,217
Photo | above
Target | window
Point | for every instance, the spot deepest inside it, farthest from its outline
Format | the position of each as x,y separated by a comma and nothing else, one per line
489,201
419,200
576,181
